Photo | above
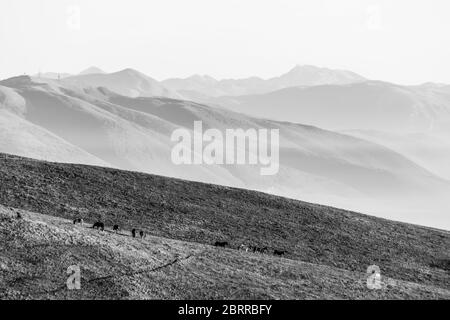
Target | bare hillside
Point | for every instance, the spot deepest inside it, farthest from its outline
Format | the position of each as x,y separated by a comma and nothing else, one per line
202,214
37,250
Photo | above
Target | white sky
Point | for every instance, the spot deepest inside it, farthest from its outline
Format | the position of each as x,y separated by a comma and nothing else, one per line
403,41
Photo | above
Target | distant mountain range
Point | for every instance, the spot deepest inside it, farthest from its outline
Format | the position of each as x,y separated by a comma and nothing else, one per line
196,86
133,83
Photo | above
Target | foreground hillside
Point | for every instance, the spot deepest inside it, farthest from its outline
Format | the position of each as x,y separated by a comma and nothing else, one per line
37,250
202,214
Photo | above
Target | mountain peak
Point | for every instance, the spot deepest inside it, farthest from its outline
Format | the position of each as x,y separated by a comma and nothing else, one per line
303,68
313,75
300,67
130,71
92,70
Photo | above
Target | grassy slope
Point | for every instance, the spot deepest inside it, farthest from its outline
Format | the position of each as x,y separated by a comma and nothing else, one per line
37,249
202,213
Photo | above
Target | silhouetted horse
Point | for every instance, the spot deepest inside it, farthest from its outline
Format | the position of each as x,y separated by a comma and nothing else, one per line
116,228
78,220
99,226
255,249
142,234
133,233
263,250
279,252
222,244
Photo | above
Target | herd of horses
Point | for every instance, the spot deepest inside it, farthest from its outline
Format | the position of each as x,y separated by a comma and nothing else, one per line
134,232
253,249
116,228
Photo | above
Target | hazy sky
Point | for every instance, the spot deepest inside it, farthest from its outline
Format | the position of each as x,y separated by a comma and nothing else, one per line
404,41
